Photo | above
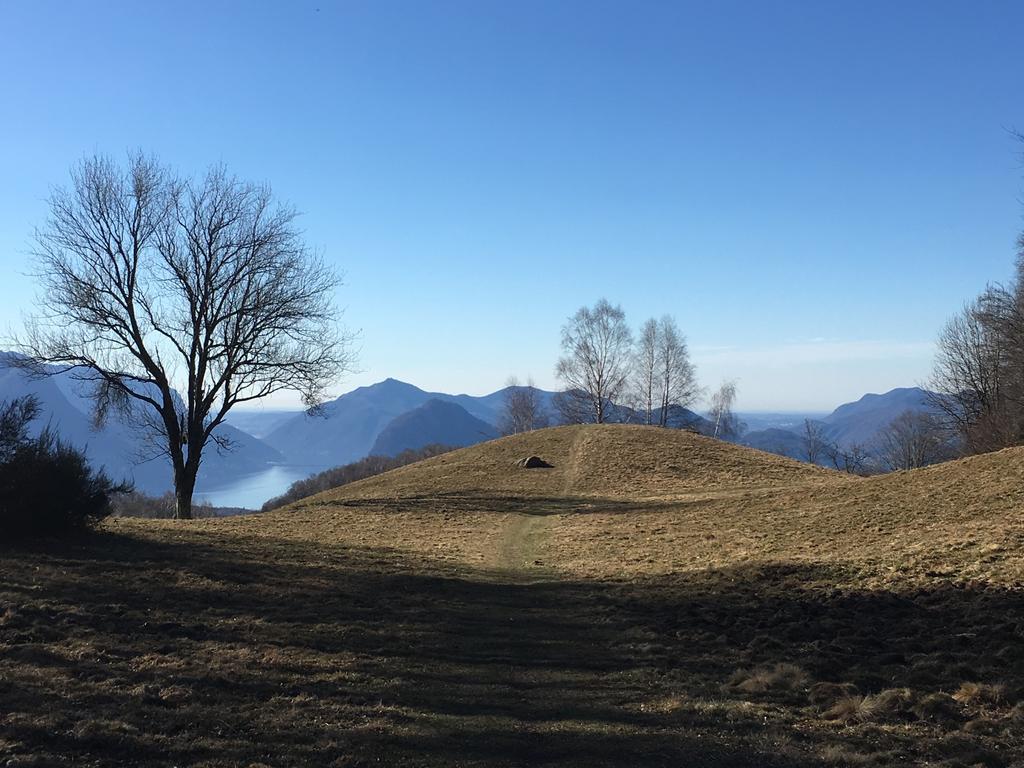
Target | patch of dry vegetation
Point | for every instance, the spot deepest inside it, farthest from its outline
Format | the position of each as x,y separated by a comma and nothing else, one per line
611,461
654,598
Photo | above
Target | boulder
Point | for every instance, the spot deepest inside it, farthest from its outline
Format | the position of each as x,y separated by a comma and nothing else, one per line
532,462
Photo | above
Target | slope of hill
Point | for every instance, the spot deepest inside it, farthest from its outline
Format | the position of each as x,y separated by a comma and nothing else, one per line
741,499
436,422
654,598
607,461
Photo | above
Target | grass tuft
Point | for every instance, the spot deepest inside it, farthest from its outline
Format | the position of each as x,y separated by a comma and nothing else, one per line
981,694
782,677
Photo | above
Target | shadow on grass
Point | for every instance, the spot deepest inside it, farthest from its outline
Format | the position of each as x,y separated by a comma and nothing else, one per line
540,506
232,650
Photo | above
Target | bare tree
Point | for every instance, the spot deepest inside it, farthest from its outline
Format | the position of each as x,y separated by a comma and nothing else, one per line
815,442
677,375
523,409
572,407
724,423
663,376
854,459
645,369
595,361
914,439
976,378
177,300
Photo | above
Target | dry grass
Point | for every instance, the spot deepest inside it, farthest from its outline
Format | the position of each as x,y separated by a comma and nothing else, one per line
655,598
779,678
596,463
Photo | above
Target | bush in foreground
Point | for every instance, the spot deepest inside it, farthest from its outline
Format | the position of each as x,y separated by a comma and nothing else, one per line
47,487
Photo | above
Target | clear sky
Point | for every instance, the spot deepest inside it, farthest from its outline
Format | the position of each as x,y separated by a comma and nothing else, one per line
810,188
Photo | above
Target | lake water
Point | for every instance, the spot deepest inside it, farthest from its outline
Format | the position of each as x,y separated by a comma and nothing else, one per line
252,490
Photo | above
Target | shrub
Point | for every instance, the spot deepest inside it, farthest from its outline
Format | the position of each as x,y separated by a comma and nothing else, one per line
47,487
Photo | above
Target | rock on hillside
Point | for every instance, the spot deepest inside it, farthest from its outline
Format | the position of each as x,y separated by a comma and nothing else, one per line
607,461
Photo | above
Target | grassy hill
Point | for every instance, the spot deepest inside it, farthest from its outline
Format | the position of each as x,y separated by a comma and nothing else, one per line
654,598
615,461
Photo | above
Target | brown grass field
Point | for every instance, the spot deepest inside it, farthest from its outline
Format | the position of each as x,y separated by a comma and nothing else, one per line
654,599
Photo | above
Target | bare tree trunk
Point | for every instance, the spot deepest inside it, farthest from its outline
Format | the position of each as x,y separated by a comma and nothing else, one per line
649,409
184,486
183,490
186,469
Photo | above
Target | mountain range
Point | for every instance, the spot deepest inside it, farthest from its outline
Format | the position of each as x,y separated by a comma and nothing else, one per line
851,424
347,429
438,422
117,446
392,416
385,418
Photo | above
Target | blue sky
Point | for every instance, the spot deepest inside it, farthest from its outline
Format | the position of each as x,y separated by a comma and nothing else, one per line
810,188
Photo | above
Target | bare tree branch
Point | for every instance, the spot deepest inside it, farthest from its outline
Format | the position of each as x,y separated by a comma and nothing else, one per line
594,366
523,410
152,285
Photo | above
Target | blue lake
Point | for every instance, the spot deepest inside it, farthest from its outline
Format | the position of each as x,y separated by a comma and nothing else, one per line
252,490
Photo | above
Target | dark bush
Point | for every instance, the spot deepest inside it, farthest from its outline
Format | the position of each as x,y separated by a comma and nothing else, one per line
47,487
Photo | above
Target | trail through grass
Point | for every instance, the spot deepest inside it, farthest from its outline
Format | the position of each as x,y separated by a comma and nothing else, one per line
458,614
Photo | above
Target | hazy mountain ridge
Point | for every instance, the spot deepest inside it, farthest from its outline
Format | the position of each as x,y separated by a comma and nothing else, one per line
384,418
783,442
855,423
860,421
347,428
436,422
117,446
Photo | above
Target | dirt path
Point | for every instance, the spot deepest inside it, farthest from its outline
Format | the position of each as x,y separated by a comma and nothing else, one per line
286,653
520,553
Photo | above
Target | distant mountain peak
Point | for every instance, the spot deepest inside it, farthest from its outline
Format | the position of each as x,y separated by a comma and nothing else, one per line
436,421
892,393
387,383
